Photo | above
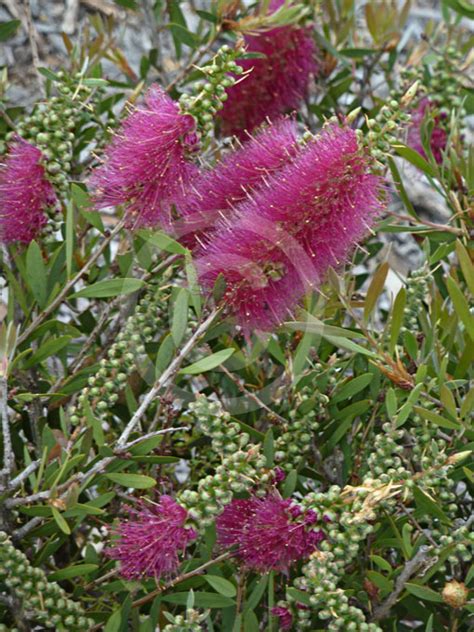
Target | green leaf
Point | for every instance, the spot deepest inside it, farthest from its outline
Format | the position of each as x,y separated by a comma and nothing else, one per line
221,585
77,570
208,363
398,315
437,419
60,521
375,289
397,179
290,484
114,623
461,306
269,447
165,354
257,593
414,157
382,582
137,481
8,29
202,600
83,509
381,563
69,237
49,348
298,596
183,36
180,316
391,403
163,242
407,407
423,592
251,622
109,288
36,273
193,283
352,387
428,507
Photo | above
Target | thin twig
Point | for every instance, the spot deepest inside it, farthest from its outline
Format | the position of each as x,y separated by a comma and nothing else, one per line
70,284
165,377
8,456
411,567
149,435
22,531
427,223
18,480
181,578
32,37
82,477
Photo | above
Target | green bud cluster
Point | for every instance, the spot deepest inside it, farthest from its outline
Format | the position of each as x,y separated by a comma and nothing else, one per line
345,532
383,130
189,623
214,422
440,81
43,601
293,445
417,289
333,605
50,127
384,459
209,95
239,472
102,391
460,541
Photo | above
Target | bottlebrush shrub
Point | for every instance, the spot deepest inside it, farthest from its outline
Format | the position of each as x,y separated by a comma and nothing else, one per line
224,405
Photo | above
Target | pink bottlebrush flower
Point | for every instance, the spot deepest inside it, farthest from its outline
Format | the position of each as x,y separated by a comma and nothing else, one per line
146,166
276,83
285,617
282,240
25,193
149,542
438,138
270,533
212,194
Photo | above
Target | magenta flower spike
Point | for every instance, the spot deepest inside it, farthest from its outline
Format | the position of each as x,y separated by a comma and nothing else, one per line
25,193
150,541
276,83
285,618
269,533
281,241
439,137
146,166
213,194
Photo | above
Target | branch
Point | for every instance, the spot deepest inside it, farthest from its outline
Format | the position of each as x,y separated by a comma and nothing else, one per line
165,377
18,480
411,567
181,578
32,37
70,284
8,456
82,477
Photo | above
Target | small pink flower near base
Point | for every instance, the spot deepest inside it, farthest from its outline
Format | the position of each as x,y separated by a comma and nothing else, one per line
270,533
276,83
439,137
25,193
150,541
285,618
146,166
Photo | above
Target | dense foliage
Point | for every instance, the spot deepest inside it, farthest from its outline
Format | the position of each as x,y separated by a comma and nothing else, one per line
224,405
